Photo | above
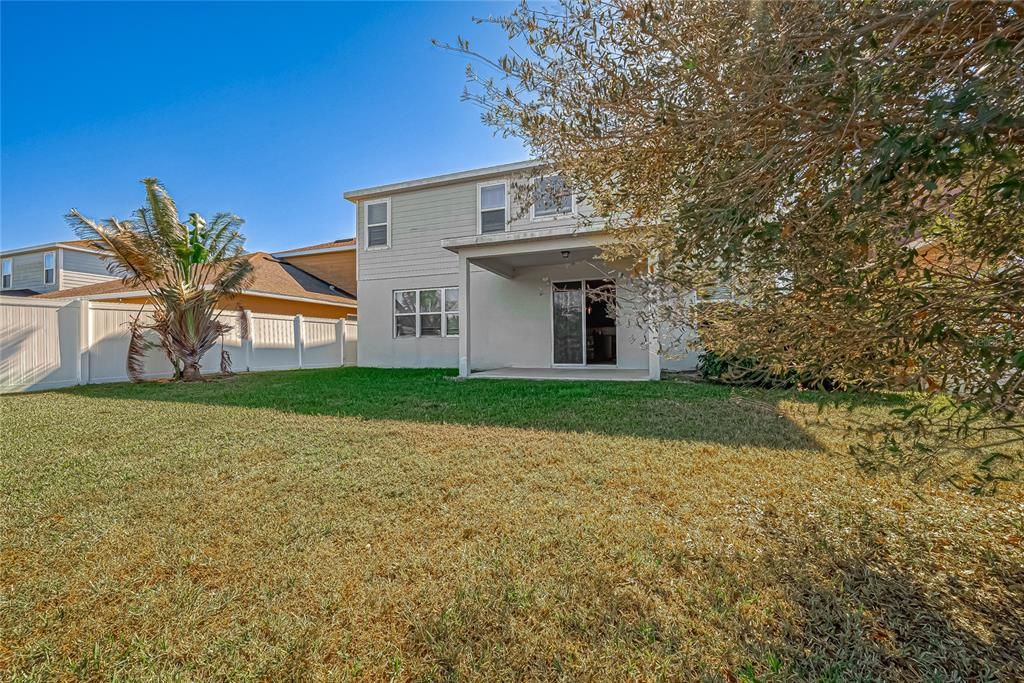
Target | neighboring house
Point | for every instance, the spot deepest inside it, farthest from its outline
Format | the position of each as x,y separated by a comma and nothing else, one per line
51,267
277,286
334,262
491,269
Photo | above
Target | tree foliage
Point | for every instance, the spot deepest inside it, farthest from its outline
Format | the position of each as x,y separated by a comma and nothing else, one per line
186,267
852,169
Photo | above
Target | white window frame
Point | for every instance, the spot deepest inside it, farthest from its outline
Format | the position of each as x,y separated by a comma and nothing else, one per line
443,313
480,210
7,270
366,224
53,255
554,216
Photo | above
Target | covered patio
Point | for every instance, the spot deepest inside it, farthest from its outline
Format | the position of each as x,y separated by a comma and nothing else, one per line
568,334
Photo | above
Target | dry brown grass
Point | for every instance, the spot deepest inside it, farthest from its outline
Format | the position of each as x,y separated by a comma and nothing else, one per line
198,532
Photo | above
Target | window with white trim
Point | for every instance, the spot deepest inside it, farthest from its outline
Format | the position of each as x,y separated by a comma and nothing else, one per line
49,267
8,273
492,203
426,312
378,224
551,197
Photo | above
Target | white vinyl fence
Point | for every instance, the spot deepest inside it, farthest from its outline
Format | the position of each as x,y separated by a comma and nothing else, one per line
45,344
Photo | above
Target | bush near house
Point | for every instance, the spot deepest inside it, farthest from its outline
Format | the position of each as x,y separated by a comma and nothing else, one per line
360,524
725,368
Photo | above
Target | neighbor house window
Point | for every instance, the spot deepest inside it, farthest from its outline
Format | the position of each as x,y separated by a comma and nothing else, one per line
378,224
551,197
8,276
49,268
492,207
427,312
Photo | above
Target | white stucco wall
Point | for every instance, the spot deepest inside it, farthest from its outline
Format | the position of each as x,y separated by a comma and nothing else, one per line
510,318
377,346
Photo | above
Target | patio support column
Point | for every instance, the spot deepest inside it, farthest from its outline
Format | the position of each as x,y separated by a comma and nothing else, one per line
653,342
653,355
464,323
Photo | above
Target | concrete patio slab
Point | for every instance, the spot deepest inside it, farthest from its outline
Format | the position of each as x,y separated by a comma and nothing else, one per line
607,374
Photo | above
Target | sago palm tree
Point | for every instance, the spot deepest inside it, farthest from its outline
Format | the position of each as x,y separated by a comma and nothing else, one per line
187,268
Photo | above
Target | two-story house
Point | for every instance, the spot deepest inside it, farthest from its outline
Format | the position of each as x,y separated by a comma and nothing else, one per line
51,267
492,270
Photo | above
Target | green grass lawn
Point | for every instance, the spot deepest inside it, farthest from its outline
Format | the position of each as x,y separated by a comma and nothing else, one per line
373,524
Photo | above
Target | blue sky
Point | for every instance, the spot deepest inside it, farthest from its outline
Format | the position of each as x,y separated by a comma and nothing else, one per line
268,110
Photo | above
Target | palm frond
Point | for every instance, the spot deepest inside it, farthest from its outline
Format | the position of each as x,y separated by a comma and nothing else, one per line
164,213
243,324
235,276
224,236
128,255
137,347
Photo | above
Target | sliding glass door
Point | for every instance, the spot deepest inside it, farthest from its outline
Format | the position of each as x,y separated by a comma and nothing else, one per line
583,323
567,311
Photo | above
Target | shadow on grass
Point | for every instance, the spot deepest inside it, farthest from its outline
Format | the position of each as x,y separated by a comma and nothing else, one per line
867,616
658,410
797,611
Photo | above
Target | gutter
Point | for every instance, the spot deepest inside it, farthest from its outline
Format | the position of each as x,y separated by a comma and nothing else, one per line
50,246
445,179
310,252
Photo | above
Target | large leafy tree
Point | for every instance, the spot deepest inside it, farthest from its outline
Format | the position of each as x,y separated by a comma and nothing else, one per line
852,169
187,267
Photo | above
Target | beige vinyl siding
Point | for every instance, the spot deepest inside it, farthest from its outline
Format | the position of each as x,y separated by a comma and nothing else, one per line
420,219
80,269
27,271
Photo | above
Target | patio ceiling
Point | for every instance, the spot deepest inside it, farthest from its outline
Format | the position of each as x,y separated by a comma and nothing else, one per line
507,253
507,265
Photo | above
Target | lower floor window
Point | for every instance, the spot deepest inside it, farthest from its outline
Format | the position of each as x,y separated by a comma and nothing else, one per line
427,312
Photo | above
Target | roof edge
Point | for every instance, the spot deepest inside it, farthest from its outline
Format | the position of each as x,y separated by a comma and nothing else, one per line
48,246
293,297
250,292
309,252
444,179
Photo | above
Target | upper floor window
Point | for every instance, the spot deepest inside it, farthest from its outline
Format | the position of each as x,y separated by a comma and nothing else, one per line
49,267
551,197
8,274
493,204
378,224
